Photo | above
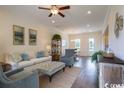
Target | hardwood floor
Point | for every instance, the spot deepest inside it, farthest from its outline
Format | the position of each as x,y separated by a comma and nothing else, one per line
88,75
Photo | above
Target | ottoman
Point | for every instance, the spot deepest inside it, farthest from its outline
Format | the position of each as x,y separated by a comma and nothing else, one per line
49,68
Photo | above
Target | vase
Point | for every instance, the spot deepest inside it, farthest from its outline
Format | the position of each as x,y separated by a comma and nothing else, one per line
99,58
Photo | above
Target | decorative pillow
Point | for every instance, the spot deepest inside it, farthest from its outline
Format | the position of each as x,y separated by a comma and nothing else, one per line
16,57
25,57
40,54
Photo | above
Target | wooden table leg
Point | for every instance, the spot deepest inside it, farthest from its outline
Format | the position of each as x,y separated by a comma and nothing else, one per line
50,78
63,69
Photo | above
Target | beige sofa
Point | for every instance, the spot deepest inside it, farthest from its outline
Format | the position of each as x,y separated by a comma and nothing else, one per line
23,64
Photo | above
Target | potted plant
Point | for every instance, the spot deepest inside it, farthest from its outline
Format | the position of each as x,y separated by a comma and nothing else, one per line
97,56
56,37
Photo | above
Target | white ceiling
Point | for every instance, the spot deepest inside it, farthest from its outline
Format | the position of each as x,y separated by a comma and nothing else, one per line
76,19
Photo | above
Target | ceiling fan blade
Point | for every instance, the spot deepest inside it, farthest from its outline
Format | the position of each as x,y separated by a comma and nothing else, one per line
65,7
44,8
62,15
50,15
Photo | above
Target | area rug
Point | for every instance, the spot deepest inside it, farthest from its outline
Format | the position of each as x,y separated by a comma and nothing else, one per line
61,79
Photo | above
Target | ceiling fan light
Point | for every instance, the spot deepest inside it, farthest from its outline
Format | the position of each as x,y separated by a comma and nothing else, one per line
54,11
88,25
89,12
53,21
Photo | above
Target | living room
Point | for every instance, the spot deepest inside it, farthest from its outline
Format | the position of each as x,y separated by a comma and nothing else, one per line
76,30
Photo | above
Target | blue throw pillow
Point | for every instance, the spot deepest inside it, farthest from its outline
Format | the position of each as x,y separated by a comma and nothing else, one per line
25,57
40,54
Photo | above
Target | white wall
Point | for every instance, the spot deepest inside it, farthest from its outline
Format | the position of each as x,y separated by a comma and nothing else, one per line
115,44
7,20
84,51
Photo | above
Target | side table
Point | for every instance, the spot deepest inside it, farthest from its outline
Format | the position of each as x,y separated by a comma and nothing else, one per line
5,66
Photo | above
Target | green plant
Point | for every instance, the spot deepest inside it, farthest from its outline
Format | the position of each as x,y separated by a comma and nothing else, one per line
56,37
94,56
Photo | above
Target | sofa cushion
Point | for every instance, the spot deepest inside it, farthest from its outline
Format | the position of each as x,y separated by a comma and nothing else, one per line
40,54
25,57
23,64
38,60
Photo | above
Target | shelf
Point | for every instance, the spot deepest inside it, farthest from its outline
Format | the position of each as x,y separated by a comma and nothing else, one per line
56,50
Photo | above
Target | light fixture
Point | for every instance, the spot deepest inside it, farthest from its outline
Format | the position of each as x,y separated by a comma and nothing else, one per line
48,47
90,30
88,25
53,21
54,10
89,12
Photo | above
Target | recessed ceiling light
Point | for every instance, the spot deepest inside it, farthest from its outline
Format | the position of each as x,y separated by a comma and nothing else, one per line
88,25
90,30
53,21
89,12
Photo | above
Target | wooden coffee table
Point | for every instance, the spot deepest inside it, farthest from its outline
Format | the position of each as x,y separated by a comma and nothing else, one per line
5,66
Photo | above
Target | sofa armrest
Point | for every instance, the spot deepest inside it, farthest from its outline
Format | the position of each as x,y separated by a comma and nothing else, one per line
13,64
30,81
50,58
22,80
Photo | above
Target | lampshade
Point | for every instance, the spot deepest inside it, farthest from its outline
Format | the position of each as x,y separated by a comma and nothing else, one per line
48,47
54,10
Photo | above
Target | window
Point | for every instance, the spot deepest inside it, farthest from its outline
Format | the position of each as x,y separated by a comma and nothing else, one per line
91,44
64,43
77,44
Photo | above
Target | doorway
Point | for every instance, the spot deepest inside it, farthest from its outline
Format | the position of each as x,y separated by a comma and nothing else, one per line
106,38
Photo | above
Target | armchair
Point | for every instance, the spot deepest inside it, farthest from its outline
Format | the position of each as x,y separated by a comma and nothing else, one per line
21,79
69,57
69,61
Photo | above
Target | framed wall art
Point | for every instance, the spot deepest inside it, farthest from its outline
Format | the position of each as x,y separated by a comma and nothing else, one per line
18,35
32,37
118,24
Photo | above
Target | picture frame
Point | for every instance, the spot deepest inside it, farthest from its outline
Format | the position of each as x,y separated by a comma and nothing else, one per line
18,35
118,24
32,37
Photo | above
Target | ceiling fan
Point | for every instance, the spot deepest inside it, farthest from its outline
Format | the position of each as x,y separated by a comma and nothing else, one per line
55,10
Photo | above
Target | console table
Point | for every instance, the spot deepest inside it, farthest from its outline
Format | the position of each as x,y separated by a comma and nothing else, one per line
111,73
5,66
